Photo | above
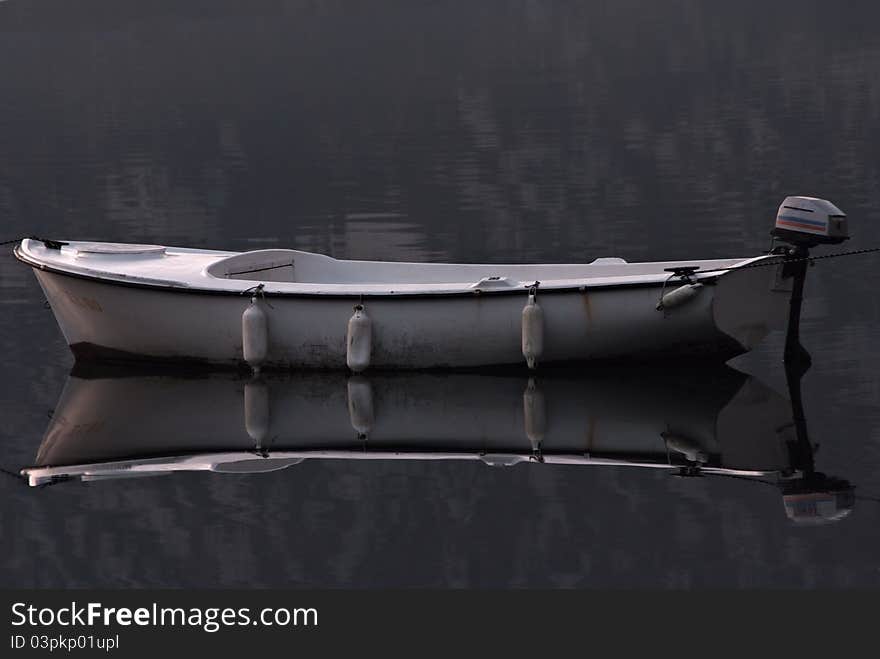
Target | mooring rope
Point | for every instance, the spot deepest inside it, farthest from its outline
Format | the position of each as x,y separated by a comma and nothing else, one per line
47,242
784,260
14,474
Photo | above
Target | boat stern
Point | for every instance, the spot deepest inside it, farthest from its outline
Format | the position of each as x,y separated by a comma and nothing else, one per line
753,300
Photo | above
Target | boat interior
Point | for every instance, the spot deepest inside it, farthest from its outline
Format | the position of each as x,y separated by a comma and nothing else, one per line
284,265
158,263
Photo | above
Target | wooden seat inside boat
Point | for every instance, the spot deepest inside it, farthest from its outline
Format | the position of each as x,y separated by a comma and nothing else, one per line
262,265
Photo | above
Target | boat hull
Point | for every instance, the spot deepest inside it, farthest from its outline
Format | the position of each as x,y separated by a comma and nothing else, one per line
113,320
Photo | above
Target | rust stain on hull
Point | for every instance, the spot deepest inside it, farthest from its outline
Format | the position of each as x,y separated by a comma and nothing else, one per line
588,307
591,435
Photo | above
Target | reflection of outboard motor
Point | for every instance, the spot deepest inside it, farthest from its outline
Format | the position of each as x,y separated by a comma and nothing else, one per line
807,222
810,497
817,499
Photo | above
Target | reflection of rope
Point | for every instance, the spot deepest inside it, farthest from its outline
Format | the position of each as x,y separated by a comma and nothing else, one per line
857,497
17,476
740,478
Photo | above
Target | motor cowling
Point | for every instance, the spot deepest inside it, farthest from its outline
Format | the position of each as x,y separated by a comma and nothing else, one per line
808,221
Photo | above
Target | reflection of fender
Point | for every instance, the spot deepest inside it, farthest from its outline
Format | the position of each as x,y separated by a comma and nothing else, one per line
534,414
687,447
360,405
256,411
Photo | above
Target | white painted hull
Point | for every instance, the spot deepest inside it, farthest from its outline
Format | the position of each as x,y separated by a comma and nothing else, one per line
732,313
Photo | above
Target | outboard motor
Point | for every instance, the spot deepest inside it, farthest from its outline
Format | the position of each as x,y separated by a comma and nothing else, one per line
804,222
807,222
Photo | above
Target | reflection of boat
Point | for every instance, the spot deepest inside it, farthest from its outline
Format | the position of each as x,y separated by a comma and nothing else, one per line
694,423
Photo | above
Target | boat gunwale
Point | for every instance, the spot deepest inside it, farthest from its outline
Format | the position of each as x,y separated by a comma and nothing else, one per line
709,278
192,461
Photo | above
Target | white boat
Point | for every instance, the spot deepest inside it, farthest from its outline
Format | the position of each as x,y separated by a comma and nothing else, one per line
694,421
285,308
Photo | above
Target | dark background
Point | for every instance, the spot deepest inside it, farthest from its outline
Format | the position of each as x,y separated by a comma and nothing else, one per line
490,131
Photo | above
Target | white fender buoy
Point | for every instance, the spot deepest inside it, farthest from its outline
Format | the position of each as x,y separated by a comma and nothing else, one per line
687,447
360,405
255,333
534,414
256,411
359,340
532,331
679,296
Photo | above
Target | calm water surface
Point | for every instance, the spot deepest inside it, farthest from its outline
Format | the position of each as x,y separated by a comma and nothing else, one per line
492,131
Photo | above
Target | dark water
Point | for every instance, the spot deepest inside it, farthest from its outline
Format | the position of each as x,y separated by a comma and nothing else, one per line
492,131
